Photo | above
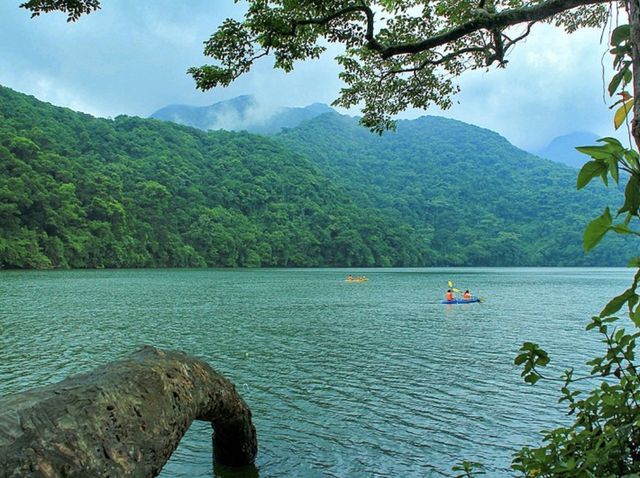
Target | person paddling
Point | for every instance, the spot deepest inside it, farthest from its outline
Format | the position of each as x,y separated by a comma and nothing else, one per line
449,297
467,295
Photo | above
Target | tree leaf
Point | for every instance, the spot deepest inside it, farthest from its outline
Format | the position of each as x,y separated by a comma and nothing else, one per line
542,360
589,171
621,34
613,142
613,169
632,157
616,80
616,303
520,359
532,378
621,113
596,230
631,196
596,152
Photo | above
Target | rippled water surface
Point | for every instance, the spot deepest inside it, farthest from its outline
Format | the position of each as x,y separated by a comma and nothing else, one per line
344,379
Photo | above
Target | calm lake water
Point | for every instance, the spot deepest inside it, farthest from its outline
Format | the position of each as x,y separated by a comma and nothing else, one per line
344,379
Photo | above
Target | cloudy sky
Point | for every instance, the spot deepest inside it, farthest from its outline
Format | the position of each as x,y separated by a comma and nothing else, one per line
131,58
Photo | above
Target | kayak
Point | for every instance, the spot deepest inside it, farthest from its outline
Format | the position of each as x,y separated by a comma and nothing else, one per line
461,301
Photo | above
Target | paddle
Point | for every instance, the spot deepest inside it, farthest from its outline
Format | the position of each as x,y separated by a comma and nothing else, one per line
450,284
452,288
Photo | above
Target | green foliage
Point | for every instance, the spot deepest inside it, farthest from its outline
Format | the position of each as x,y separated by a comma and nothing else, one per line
590,170
596,230
604,439
76,191
73,8
531,356
468,469
475,199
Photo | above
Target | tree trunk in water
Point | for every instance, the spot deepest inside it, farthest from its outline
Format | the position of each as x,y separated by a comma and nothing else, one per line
122,419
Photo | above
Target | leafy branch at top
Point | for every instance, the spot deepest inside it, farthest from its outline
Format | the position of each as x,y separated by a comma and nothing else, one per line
73,8
398,54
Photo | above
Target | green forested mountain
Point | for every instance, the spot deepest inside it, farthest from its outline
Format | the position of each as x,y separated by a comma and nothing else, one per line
473,198
76,191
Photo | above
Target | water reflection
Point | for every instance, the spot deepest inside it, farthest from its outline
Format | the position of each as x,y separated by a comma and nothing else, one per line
221,471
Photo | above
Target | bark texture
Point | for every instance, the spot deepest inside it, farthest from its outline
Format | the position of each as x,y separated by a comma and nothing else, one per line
122,419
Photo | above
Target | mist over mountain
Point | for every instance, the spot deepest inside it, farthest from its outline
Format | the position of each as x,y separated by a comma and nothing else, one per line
242,113
562,149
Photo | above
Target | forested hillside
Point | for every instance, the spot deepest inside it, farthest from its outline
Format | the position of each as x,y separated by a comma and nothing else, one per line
76,191
474,198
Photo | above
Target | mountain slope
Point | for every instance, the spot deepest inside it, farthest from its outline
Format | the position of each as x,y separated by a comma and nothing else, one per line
242,113
76,191
474,198
563,148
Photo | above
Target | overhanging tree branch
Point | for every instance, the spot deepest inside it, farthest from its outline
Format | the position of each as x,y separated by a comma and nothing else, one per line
73,8
434,46
487,21
369,36
429,62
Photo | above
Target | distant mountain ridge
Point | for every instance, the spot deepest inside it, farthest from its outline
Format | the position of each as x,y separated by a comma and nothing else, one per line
562,149
242,113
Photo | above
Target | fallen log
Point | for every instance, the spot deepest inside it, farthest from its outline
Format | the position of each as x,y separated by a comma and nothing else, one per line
122,419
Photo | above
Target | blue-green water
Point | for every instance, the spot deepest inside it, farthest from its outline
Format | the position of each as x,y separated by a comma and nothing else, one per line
344,379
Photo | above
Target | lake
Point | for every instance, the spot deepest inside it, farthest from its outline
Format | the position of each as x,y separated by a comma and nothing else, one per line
344,379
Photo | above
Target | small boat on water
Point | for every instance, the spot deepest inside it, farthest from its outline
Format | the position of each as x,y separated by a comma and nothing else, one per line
461,301
351,278
467,298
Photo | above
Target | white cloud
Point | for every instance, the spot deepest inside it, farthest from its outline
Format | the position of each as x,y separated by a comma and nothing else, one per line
131,58
46,87
231,120
552,85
